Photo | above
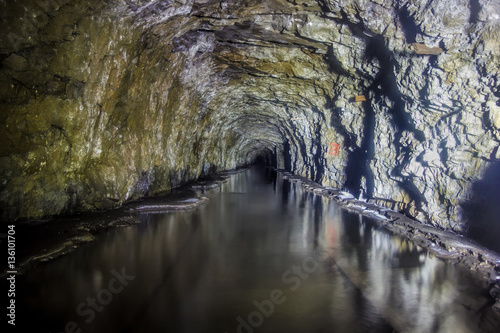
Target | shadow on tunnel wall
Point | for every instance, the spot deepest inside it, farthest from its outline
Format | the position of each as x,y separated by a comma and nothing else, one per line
482,211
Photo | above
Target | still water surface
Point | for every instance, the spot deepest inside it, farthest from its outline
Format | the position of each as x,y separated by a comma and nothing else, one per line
261,256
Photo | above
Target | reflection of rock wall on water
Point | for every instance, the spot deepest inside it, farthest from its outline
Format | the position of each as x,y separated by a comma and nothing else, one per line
104,102
412,290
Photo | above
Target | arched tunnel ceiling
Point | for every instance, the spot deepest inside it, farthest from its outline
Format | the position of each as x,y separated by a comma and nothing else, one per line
107,101
258,71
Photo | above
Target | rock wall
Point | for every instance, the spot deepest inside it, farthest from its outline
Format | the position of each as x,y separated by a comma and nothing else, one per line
104,102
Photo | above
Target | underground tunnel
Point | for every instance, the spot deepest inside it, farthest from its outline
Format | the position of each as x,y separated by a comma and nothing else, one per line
389,108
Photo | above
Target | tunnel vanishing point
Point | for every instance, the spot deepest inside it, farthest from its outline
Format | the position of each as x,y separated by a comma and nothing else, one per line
104,102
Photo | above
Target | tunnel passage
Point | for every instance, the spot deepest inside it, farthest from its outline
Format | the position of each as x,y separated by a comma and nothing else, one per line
261,156
106,102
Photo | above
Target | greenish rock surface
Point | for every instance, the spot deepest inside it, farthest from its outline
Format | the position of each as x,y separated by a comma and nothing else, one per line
106,102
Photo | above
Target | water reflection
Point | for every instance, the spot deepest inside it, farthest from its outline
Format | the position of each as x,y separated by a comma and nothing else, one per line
261,256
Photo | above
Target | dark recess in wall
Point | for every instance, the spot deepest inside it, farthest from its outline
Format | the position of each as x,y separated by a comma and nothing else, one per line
482,211
287,156
301,145
334,64
475,8
410,29
385,84
359,159
274,160
336,123
318,155
357,163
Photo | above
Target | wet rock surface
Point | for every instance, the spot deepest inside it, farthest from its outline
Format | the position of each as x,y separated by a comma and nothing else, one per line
446,245
106,102
44,240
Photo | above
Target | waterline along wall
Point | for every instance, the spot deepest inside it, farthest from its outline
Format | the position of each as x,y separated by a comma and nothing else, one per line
107,101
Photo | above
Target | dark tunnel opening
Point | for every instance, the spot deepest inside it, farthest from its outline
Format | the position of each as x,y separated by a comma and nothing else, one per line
482,211
264,157
260,160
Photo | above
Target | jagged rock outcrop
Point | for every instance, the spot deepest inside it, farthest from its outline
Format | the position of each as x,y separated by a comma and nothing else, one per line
104,102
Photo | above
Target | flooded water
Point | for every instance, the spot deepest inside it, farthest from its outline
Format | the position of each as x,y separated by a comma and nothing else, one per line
261,256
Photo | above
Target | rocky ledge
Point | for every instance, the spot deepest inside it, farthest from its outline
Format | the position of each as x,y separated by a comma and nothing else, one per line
48,239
